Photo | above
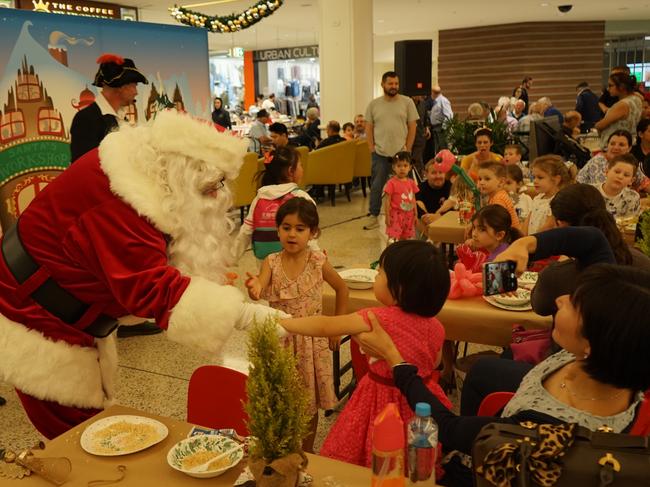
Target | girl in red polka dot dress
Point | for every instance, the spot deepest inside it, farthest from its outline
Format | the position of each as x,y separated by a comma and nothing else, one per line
412,285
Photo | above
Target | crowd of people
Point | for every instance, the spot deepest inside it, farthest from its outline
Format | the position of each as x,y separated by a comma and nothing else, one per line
159,190
574,212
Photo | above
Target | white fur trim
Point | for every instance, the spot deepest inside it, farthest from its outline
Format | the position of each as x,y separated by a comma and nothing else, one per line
133,158
55,371
206,315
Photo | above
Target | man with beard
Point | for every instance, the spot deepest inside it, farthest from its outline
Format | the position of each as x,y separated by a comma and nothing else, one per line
390,128
118,79
136,227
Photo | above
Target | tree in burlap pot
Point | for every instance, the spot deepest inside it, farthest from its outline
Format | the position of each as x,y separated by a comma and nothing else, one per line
277,408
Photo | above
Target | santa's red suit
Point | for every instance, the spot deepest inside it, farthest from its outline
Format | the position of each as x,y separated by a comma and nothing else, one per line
102,231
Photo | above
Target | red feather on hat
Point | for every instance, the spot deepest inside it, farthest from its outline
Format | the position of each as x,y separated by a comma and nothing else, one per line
110,58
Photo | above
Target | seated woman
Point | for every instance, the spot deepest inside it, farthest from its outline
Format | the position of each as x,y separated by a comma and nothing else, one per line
483,143
597,380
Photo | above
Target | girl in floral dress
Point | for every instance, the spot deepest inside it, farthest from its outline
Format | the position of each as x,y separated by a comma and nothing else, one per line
292,281
412,284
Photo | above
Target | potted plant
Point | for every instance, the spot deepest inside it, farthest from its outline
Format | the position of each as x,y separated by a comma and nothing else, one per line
277,408
459,135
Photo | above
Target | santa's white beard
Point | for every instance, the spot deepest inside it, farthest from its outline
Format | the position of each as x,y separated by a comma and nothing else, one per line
200,240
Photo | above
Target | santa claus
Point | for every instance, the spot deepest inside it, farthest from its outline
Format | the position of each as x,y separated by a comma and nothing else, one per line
136,227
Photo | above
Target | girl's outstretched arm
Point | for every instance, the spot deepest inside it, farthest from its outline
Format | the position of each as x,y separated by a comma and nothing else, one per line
326,326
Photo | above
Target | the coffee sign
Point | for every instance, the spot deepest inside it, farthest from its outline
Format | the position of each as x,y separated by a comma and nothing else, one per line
83,8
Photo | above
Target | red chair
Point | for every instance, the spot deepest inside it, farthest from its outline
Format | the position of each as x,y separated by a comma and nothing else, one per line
493,403
641,426
359,361
215,398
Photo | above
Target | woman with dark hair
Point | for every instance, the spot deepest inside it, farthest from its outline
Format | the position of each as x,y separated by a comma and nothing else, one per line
619,142
483,142
625,113
220,115
597,379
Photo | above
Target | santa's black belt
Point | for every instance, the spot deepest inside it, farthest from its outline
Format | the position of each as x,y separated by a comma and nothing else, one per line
52,297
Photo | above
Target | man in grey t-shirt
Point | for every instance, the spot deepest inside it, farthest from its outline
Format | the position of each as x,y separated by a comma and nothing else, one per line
390,128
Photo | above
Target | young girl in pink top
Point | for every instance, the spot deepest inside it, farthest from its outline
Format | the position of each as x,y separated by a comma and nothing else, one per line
399,206
412,285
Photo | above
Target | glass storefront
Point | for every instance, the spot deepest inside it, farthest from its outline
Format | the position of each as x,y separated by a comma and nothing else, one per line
227,79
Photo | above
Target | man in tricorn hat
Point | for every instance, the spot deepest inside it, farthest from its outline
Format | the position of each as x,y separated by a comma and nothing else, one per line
118,78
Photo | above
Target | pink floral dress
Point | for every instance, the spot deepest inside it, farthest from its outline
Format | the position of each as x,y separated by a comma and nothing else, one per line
301,297
419,340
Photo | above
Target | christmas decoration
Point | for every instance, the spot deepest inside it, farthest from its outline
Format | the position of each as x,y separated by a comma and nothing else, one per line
277,409
226,23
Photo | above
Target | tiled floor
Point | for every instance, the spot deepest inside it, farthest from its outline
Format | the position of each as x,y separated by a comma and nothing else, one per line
154,372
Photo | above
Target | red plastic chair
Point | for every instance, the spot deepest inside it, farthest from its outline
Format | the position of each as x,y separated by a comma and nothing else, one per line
493,403
359,361
215,398
641,426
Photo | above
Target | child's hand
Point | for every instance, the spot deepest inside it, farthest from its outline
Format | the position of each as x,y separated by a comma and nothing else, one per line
254,286
334,343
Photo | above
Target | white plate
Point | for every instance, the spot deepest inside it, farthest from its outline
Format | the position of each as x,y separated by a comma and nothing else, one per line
524,307
516,298
359,278
202,445
122,434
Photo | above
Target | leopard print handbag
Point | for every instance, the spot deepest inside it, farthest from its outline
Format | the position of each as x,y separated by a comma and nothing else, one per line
562,455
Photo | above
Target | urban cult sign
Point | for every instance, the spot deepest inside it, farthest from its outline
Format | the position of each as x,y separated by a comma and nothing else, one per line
285,53
83,8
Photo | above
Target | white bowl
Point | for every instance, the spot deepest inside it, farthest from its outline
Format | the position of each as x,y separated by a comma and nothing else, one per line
179,457
359,278
518,297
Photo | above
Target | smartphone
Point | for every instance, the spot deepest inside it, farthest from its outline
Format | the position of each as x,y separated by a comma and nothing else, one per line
499,277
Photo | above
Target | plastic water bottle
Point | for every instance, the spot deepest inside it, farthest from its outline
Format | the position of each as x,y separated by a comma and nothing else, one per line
422,433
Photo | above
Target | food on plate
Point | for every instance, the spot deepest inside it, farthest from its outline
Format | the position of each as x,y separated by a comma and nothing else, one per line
201,457
124,436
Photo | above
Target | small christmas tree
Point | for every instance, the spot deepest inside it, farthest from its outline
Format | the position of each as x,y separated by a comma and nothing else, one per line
277,404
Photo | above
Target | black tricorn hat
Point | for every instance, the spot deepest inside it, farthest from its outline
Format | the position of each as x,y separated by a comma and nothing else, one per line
115,71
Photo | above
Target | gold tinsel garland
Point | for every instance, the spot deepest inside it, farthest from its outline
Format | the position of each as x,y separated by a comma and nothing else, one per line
226,23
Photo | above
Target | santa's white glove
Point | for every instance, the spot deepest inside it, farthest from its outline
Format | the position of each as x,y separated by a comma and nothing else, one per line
251,312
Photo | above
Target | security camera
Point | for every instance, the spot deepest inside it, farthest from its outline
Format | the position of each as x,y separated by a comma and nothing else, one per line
564,8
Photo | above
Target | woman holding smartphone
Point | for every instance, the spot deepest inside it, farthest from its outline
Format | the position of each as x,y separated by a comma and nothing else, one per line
597,379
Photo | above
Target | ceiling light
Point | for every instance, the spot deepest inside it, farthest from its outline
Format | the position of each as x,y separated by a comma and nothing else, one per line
543,4
381,21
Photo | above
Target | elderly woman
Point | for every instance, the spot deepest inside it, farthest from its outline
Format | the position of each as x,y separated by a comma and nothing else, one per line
597,379
310,130
625,113
483,144
619,142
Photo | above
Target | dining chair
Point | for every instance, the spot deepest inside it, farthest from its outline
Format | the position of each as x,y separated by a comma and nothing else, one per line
362,164
215,398
243,187
493,403
330,166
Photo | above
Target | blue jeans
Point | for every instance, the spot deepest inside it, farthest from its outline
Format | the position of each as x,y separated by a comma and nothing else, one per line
381,166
